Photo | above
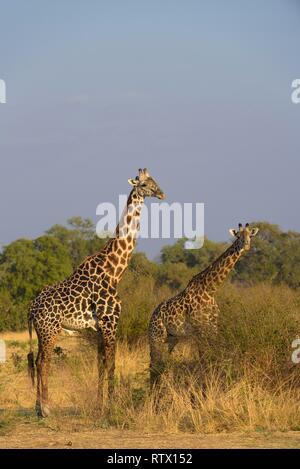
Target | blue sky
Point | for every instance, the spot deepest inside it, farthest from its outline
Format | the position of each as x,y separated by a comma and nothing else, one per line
197,91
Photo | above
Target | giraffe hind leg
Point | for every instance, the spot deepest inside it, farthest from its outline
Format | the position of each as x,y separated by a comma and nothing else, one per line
106,364
101,362
43,360
158,338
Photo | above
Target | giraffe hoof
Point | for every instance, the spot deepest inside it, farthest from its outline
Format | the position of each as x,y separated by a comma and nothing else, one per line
42,410
45,411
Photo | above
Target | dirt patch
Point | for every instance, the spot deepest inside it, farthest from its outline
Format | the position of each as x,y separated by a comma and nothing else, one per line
27,436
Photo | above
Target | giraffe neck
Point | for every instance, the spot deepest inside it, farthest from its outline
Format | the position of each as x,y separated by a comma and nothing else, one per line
215,274
118,250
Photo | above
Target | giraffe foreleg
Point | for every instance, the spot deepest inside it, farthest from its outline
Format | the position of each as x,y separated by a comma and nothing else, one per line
157,362
106,363
107,349
157,341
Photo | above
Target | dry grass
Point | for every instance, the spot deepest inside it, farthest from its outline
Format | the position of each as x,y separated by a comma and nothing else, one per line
21,336
181,405
245,383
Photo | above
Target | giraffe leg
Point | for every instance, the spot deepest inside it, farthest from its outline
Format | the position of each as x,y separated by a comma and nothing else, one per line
43,368
157,362
207,333
158,337
109,334
207,341
101,368
107,346
38,380
106,363
110,354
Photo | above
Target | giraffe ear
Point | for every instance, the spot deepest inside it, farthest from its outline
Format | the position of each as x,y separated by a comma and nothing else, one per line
143,174
233,232
254,232
133,182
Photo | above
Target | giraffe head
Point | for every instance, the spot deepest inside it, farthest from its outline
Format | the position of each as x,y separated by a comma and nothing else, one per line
243,236
146,186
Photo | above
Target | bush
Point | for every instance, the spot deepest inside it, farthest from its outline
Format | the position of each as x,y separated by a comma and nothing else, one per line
139,296
257,327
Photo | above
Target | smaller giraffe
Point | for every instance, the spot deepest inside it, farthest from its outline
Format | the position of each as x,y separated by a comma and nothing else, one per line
194,311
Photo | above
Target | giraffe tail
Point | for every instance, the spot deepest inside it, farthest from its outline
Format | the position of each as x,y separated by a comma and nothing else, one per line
30,356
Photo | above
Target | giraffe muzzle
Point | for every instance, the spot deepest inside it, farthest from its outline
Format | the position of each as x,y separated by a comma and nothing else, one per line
160,195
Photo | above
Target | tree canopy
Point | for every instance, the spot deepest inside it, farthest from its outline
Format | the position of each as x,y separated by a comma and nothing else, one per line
26,266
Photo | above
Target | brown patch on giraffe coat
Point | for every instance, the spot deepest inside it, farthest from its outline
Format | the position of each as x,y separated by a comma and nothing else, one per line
122,244
113,258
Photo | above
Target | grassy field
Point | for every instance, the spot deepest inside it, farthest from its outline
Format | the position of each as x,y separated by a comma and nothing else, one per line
244,393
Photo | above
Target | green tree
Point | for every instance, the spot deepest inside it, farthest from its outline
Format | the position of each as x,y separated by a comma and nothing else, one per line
262,263
288,263
27,266
174,275
198,258
79,238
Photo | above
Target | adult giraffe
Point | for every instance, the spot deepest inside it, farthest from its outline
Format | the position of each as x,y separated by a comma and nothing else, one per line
88,298
194,311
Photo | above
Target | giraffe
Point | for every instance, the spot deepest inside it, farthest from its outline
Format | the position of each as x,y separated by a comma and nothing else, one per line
194,311
88,299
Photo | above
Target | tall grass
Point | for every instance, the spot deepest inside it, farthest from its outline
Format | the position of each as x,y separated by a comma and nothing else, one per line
183,403
244,381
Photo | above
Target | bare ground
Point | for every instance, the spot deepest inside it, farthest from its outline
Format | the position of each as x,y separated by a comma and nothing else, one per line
29,436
